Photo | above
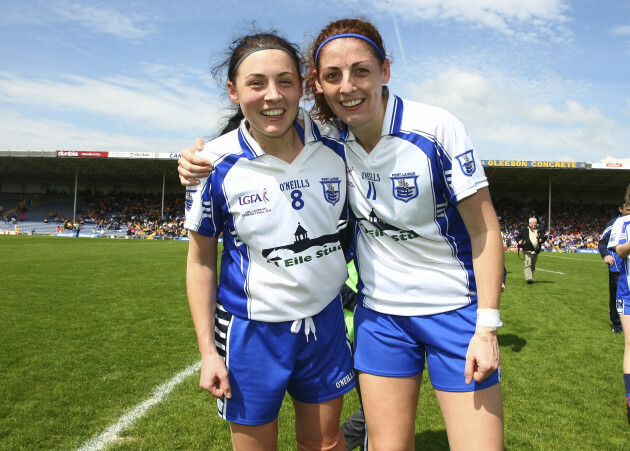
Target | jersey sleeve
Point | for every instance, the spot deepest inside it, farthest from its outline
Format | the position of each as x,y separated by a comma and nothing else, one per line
201,209
464,174
619,232
603,242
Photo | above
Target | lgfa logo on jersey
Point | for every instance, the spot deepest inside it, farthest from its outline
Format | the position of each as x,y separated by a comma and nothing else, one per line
404,186
467,162
332,192
253,198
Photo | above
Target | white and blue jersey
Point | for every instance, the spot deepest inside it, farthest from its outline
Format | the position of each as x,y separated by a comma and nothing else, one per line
603,247
413,251
282,259
619,235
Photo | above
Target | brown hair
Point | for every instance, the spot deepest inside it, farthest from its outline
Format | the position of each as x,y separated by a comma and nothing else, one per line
321,111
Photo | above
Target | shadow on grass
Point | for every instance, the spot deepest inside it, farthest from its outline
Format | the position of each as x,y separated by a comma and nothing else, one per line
513,341
432,440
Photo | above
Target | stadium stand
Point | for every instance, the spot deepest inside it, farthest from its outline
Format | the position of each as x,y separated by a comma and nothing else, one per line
574,226
139,216
145,198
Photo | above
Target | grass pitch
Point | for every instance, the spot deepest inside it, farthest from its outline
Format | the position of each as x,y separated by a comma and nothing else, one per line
90,328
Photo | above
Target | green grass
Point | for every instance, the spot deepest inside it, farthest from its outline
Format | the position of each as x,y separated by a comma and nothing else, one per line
89,328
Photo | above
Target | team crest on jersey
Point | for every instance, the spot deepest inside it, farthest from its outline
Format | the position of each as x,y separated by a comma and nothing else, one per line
332,192
405,187
467,162
189,199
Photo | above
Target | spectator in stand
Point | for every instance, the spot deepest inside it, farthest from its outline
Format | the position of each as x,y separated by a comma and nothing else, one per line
614,266
530,239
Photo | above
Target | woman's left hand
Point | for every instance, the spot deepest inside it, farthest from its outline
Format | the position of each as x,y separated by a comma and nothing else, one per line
483,356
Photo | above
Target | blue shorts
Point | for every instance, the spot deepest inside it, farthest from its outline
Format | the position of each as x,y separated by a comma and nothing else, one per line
623,306
266,360
397,346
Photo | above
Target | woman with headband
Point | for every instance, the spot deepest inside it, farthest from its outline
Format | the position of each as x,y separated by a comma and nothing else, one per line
275,323
428,247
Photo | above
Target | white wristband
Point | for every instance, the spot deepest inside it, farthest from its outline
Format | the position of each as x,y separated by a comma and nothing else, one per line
489,317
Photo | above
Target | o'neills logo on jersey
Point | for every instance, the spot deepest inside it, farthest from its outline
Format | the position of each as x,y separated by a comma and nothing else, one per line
404,186
332,193
294,184
467,162
253,198
371,176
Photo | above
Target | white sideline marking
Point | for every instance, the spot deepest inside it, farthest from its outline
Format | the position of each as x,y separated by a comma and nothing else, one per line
546,270
571,258
111,433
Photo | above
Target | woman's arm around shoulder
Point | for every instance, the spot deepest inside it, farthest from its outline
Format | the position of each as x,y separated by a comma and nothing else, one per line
191,167
623,250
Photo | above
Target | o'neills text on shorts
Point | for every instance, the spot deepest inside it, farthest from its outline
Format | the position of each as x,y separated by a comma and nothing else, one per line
346,380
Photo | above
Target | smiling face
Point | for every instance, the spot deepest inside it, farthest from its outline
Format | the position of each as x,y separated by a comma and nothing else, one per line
268,88
351,78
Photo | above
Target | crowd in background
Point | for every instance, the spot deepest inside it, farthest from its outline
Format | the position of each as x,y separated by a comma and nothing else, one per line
138,215
141,214
573,226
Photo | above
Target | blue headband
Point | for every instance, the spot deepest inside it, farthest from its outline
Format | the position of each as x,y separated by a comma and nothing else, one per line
349,35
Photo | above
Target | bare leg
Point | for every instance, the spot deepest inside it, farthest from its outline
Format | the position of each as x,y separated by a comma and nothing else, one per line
390,405
625,323
474,420
255,438
317,425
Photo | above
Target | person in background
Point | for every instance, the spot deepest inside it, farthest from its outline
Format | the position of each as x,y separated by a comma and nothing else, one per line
530,239
354,426
619,241
614,264
275,323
